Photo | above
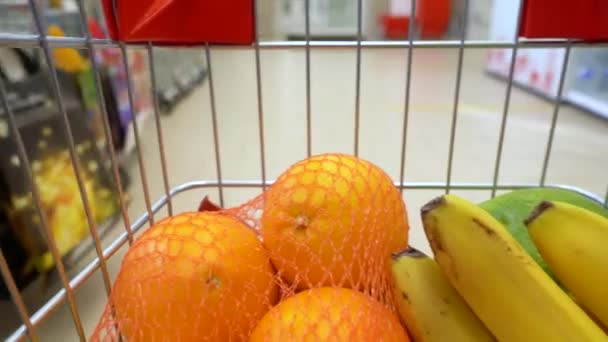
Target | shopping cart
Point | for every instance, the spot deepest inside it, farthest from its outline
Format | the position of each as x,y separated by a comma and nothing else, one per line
46,44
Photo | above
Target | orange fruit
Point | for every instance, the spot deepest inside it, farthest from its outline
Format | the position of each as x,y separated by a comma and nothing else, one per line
329,314
334,220
193,277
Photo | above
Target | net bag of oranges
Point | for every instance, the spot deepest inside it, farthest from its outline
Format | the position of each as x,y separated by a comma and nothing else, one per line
308,260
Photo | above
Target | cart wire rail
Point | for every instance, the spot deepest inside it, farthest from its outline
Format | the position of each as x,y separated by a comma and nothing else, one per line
45,43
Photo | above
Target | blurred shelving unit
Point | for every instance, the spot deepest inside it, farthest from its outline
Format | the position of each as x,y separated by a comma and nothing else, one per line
178,71
538,69
588,80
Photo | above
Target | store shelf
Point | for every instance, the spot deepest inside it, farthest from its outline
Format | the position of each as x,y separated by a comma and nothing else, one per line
129,146
87,244
587,102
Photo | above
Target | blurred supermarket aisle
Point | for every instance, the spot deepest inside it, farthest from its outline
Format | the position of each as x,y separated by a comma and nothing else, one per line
578,156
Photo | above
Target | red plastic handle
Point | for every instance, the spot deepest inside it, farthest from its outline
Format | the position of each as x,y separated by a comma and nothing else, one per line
181,21
582,19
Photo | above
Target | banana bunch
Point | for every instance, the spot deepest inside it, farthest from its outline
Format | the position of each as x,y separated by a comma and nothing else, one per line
484,286
574,243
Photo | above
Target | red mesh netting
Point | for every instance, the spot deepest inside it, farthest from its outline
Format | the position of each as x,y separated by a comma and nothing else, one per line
324,232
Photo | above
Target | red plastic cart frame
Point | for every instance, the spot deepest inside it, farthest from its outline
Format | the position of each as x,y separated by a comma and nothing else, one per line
582,19
181,21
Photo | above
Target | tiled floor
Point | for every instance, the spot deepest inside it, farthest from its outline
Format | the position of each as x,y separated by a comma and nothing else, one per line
578,157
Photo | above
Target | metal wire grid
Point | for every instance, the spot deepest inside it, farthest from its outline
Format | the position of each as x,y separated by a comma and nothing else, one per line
39,39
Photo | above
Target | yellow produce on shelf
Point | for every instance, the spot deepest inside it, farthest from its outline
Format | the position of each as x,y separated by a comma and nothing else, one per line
62,204
66,59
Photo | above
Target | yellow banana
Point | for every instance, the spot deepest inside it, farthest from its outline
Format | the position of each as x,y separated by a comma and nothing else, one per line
506,289
429,306
574,241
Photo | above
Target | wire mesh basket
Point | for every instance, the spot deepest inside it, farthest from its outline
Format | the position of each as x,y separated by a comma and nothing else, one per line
133,225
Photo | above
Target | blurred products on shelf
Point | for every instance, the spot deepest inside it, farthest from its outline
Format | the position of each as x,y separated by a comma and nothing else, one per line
40,123
15,251
31,99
